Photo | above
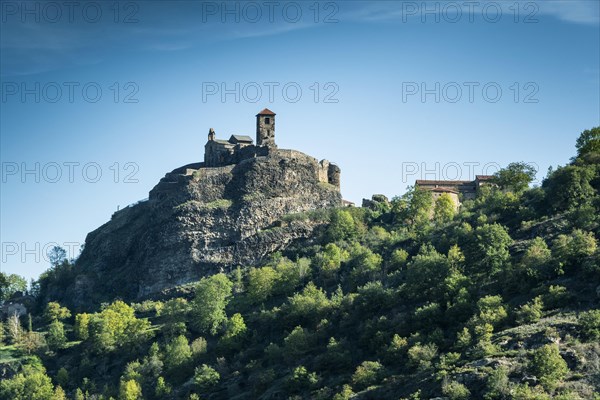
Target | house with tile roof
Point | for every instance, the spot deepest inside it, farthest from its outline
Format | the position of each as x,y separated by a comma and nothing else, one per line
457,190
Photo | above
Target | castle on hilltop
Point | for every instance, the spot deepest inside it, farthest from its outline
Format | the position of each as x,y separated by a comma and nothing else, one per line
219,152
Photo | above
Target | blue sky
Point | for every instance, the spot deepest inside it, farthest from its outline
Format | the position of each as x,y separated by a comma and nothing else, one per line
391,91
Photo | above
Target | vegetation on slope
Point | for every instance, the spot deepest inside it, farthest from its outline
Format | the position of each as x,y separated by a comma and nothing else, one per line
406,299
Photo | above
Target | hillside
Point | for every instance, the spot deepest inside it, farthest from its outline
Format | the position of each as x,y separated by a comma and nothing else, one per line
197,221
403,299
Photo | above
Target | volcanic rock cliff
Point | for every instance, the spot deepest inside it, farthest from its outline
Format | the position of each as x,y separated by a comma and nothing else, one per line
200,220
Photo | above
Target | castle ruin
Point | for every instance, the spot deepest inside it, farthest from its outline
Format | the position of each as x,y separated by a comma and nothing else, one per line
218,152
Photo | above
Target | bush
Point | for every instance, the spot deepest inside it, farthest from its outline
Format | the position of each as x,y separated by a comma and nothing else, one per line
56,338
341,226
491,310
530,312
556,297
177,353
421,356
590,324
206,377
199,346
548,365
367,374
456,391
302,379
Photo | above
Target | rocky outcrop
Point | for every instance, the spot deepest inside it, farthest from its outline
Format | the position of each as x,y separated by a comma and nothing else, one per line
199,221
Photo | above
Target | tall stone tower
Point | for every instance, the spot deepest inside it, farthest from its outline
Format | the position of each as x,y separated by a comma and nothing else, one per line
265,128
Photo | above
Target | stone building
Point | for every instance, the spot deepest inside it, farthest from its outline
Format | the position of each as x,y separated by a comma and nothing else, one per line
458,190
219,152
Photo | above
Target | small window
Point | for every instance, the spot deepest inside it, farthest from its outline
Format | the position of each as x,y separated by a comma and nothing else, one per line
267,120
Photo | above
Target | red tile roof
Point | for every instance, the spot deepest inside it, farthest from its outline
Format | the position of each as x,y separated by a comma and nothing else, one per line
435,182
266,111
442,190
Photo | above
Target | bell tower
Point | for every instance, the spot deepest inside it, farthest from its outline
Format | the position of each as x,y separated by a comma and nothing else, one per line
265,128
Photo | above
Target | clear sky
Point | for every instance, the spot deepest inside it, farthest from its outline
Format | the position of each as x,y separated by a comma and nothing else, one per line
100,99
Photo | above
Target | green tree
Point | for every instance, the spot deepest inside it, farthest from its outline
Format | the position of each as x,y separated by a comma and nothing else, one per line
590,324
426,273
55,312
398,260
177,353
345,394
422,356
199,346
261,284
310,305
14,328
291,274
82,326
298,342
130,390
548,366
234,332
31,383
56,335
491,310
206,377
570,187
59,394
456,391
329,260
588,142
537,260
302,379
489,252
10,284
116,326
415,207
212,296
573,248
57,255
365,264
62,377
367,374
163,389
516,177
341,226
445,208
530,312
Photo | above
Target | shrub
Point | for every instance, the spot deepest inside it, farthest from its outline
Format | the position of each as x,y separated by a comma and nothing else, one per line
590,324
548,365
206,377
421,356
456,391
198,346
56,338
530,312
345,394
177,353
556,297
368,373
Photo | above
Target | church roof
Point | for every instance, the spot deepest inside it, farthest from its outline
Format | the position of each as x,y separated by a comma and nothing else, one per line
221,141
266,111
240,139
